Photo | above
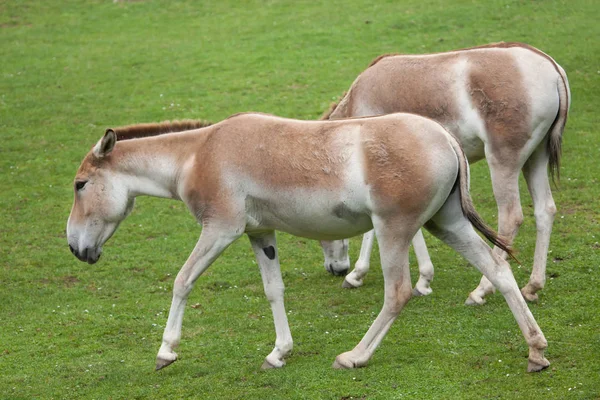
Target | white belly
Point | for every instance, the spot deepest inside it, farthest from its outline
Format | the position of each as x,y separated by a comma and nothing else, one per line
314,214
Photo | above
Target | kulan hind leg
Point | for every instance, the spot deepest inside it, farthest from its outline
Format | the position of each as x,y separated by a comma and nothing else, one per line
536,175
451,226
505,182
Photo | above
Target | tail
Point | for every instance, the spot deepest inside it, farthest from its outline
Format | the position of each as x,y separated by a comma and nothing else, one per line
467,206
558,126
554,144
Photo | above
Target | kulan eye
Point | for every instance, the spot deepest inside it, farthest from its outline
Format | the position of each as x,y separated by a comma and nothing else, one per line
80,185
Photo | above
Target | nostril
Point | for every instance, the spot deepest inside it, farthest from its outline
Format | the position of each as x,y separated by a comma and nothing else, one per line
72,249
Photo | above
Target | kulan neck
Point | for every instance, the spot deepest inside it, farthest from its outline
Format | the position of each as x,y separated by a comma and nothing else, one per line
153,166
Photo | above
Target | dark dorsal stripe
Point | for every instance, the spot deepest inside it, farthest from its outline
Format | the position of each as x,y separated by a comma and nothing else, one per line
159,128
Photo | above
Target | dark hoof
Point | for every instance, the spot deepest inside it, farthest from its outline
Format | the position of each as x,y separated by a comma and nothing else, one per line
160,363
339,273
333,271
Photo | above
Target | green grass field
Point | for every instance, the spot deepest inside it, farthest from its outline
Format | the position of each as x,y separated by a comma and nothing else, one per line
69,330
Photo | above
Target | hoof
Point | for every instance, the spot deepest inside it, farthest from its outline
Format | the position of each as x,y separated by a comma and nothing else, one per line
422,292
338,365
474,300
161,363
350,283
267,365
537,365
529,296
342,272
348,361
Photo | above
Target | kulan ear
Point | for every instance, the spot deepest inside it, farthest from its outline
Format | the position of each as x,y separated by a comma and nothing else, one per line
106,144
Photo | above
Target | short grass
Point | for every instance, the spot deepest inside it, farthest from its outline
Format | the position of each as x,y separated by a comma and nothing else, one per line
72,331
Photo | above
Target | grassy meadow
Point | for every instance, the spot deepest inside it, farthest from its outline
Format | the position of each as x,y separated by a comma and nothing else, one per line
70,330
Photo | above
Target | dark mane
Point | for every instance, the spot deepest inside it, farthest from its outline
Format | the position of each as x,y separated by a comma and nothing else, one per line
381,57
332,107
159,128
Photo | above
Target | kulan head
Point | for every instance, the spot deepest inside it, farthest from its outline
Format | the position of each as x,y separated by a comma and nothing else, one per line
102,201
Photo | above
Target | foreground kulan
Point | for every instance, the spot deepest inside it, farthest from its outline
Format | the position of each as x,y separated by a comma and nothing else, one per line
255,174
505,102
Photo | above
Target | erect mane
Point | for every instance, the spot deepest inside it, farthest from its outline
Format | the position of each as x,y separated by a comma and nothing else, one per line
158,128
332,107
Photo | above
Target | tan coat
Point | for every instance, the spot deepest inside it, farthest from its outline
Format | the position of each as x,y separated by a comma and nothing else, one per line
257,173
506,102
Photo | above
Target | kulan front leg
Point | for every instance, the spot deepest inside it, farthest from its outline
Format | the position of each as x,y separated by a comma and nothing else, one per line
394,264
265,250
336,259
208,248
